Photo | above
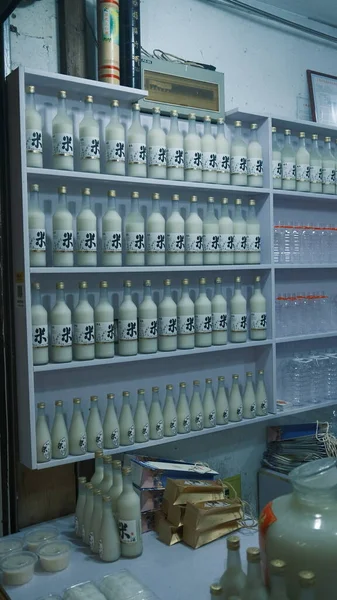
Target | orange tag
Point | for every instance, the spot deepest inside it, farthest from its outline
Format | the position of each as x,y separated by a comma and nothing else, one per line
267,518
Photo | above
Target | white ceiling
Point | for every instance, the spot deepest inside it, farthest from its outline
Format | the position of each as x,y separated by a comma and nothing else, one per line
321,10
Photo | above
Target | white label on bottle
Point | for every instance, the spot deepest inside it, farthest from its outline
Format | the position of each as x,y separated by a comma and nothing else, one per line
253,243
100,549
46,449
226,242
277,169
84,334
82,442
258,320
115,151
145,432
289,171
192,160
167,326
112,241
40,336
157,156
328,175
91,541
203,323
37,240
127,330
76,525
89,147
302,172
199,420
238,322
255,166
131,434
223,163
211,417
193,242
159,428
173,425
135,241
137,154
61,335
240,242
114,436
63,240
175,158
187,423
104,332
238,165
175,242
148,329
209,161
263,406
316,174
34,140
155,242
62,446
253,409
99,439
63,144
225,415
87,241
128,531
219,321
185,324
210,242
239,411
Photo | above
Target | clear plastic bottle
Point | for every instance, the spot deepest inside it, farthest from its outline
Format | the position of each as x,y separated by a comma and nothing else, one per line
258,313
96,521
203,317
115,143
226,231
276,161
255,159
127,324
80,504
112,236
307,585
126,422
37,229
88,510
59,433
136,137
63,234
185,323
156,418
86,225
193,235
222,154
77,430
175,235
142,424
167,321
302,166
253,236
156,142
235,401
192,152
34,142
261,396
147,322
183,411
94,427
107,481
329,166
196,408
129,518
169,413
117,486
233,579
316,167
211,235
135,234
98,475
155,235
240,235
278,588
110,424
39,328
238,157
288,163
84,327
208,149
175,150
109,547
43,437
248,400
209,405
221,403
219,315
238,314
63,136
104,324
254,588
61,328
89,139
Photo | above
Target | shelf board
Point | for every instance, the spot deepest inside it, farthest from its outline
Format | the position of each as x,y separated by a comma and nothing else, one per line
279,194
308,336
309,127
148,269
308,266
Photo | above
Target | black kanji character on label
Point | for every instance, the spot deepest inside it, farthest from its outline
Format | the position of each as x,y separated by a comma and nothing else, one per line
37,140
243,244
198,242
66,335
320,174
89,333
243,164
279,169
293,172
230,242
116,241
223,321
259,166
215,242
41,239
67,142
257,244
162,155
40,335
180,242
123,531
208,323
212,161
94,148
197,159
142,152
67,241
139,241
307,173
225,162
179,157
160,244
190,324
110,332
172,325
90,240
263,320
119,150
153,328
131,330
243,322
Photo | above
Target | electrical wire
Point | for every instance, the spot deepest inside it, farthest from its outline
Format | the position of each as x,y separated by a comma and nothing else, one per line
162,55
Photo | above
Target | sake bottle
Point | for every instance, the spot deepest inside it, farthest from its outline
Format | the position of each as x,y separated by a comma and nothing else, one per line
193,235
258,313
147,322
127,324
112,238
142,425
203,317
80,504
235,401
98,475
261,396
307,582
276,161
63,234
185,313
107,481
126,422
129,518
89,139
43,437
183,411
37,229
115,143
221,403
117,486
34,143
175,150
316,167
109,547
288,163
88,510
77,431
196,408
175,235
135,234
84,328
209,406
208,149
156,418
86,225
94,427
155,235
238,314
255,159
253,236
136,139
210,238
63,136
104,324
156,141
216,591
219,315
169,413
302,166
240,235
59,433
167,321
254,587
328,168
96,521
226,239
61,328
222,154
39,328
233,579
238,157
110,425
278,586
248,400
192,152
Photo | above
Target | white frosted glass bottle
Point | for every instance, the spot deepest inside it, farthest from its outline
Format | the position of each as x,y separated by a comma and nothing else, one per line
288,163
261,396
222,154
254,587
115,143
316,167
258,313
221,403
196,408
302,166
126,422
156,148
253,236
233,579
94,427
169,413
248,400
155,235
142,425
88,509
255,159
193,235
80,504
63,136
209,405
37,229
34,140
39,328
110,424
61,328
86,225
43,437
89,139
211,235
136,139
186,319
175,235
134,234
104,324
147,322
203,317
235,401
278,586
107,481
208,149
328,168
129,518
96,521
98,475
156,418
226,239
175,150
77,431
167,321
276,161
59,433
117,486
307,582
183,411
109,547
84,328
63,233
112,237
238,157
192,152
219,315
238,314
240,235
127,324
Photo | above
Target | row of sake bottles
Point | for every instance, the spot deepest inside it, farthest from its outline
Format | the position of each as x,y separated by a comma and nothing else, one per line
90,333
176,241
128,429
302,170
157,155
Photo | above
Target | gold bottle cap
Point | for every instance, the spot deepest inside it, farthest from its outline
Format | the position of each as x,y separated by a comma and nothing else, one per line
141,392
127,283
115,103
167,281
302,134
107,460
155,196
257,279
182,384
260,372
237,279
156,110
235,376
253,555
253,126
210,200
174,113
86,191
106,498
249,374
60,285
274,130
41,405
306,578
175,197
221,378
30,89
110,396
111,194
59,403
147,283
93,398
237,123
83,285
277,566
136,106
216,589
126,470
169,386
135,195
314,136
116,464
77,401
62,94
208,380
185,282
36,285
35,187
224,200
233,542
327,138
99,454
155,388
82,479
220,121
194,199
97,492
89,485
202,281
89,99
126,394
207,119
287,132
218,280
191,116
103,284
62,189
238,202
252,202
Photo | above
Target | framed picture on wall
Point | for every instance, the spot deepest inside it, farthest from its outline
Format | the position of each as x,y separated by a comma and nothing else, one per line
323,97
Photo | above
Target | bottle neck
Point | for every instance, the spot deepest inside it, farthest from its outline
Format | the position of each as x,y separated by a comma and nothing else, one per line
260,378
111,403
97,500
209,387
182,394
134,205
175,206
207,128
235,384
127,293
257,286
252,212
238,211
210,209
117,475
193,208
237,287
62,106
30,101
62,202
107,471
155,396
221,129
302,143
41,413
34,200
60,295
307,594
147,292
221,384
98,464
167,291
184,290
254,574
156,121
287,141
174,125
155,205
192,126
217,288
136,117
224,210
278,585
141,400
202,289
234,560
85,201
89,112
111,203
36,297
58,411
127,483
238,133
126,401
76,408
327,147
114,114
314,145
169,395
103,294
83,297
81,489
196,389
253,135
274,138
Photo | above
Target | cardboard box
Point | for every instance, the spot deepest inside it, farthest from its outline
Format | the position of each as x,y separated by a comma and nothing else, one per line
196,538
167,533
208,515
181,491
175,514
152,473
149,499
165,506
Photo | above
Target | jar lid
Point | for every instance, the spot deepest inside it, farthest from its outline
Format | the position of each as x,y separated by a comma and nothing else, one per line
10,545
42,534
18,560
54,548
